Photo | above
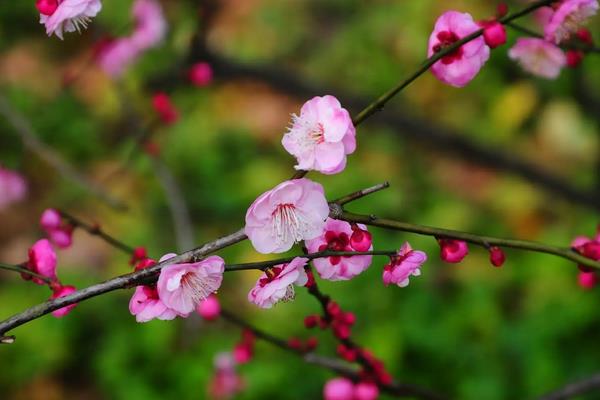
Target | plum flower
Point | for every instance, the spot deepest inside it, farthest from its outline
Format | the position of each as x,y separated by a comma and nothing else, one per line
181,287
568,18
405,264
146,305
294,210
538,57
337,236
42,261
587,247
61,234
321,136
62,291
338,389
453,251
70,16
12,187
276,283
150,24
200,74
459,67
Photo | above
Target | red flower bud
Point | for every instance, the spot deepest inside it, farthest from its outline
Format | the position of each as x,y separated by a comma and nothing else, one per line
497,256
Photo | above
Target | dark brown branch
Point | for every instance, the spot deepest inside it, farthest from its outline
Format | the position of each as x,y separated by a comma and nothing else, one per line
575,389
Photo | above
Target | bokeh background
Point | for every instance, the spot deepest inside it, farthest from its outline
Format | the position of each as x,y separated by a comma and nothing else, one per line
454,159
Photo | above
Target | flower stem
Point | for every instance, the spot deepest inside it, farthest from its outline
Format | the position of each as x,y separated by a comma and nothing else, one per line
16,268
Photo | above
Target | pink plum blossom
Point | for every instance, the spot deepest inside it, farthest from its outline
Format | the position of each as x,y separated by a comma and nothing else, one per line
61,234
587,280
405,264
62,291
587,247
117,55
321,136
294,210
338,389
336,236
276,283
459,67
568,18
494,33
538,57
146,305
181,287
42,261
200,74
366,391
70,16
497,256
209,308
226,382
150,24
12,187
453,251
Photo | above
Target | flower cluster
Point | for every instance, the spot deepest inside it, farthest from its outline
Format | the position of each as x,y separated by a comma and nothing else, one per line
59,232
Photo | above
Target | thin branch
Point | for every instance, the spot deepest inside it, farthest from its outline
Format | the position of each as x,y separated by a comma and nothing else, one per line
31,141
575,389
25,271
485,241
361,193
95,230
586,48
262,265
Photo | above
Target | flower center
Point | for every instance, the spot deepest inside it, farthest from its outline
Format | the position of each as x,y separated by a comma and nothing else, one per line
197,288
288,224
336,242
306,133
271,274
447,38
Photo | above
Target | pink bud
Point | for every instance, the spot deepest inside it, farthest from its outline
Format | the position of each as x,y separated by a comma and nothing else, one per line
591,250
587,280
139,254
453,251
366,391
209,308
349,318
242,353
497,256
585,36
501,10
361,239
50,219
574,58
62,237
46,7
494,34
312,343
341,331
294,343
62,291
42,260
338,389
201,74
164,107
311,321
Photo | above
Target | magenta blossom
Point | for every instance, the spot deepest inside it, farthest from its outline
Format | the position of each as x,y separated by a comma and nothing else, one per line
12,187
276,283
209,308
322,136
200,74
62,291
459,67
42,261
61,234
538,57
453,251
568,18
336,236
366,391
146,305
226,382
587,280
405,264
70,16
181,287
294,210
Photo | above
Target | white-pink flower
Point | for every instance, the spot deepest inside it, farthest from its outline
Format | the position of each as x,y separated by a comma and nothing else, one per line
459,67
568,18
337,236
12,187
277,283
150,24
538,57
181,287
321,136
146,305
70,16
294,210
407,263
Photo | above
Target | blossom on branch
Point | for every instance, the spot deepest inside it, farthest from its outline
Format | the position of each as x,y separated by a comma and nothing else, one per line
59,232
294,210
405,264
538,57
460,66
67,15
277,283
321,136
42,261
568,18
209,308
181,287
338,236
453,251
62,291
146,305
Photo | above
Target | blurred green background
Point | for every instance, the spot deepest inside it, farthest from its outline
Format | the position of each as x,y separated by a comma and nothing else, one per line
469,330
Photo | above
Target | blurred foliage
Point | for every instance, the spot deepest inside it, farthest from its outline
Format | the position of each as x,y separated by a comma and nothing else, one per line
468,330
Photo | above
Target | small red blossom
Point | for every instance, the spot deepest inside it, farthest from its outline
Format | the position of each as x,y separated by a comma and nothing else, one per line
497,256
